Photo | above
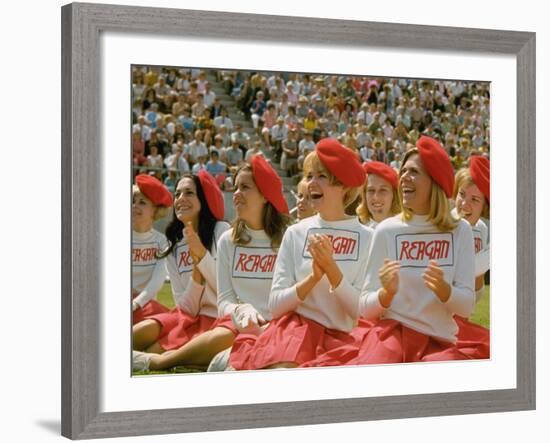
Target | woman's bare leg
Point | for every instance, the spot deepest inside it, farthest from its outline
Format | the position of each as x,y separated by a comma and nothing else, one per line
198,352
281,365
145,334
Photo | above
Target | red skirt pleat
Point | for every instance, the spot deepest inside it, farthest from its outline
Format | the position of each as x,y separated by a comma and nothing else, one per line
227,323
288,339
179,327
389,341
151,308
472,339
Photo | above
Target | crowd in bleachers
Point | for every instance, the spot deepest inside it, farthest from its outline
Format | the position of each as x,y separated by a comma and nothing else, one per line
180,124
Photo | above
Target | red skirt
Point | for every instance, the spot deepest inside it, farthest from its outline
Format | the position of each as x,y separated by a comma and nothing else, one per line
389,341
178,327
152,307
291,338
474,340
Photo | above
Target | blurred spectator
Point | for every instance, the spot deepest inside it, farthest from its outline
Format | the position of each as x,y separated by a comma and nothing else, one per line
171,180
154,159
223,119
234,156
255,150
277,134
289,158
195,149
214,166
142,127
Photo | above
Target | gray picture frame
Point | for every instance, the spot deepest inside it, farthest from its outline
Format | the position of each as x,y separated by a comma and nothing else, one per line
81,208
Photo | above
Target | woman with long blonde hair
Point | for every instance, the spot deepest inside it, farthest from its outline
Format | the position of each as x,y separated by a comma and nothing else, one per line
420,272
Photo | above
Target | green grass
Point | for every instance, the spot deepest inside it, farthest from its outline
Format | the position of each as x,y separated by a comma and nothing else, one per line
165,296
481,316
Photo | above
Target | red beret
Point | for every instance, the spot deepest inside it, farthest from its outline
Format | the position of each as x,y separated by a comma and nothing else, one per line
269,183
383,170
480,172
437,163
342,162
212,193
154,190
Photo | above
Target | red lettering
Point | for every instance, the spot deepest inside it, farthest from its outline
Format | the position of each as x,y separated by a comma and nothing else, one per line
143,254
241,262
343,245
405,250
255,263
422,250
477,244
185,259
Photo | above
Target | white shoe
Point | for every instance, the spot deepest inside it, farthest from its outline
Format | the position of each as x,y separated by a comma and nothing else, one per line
220,362
140,360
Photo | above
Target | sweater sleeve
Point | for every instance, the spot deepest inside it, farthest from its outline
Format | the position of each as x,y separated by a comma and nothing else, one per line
207,266
227,298
186,296
283,297
482,260
349,292
154,284
369,302
462,297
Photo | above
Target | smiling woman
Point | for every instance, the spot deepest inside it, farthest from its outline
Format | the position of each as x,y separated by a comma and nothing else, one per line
318,273
420,273
150,202
190,334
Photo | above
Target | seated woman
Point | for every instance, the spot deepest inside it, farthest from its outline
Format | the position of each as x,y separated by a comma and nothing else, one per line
318,274
471,194
379,197
150,202
247,253
189,334
421,270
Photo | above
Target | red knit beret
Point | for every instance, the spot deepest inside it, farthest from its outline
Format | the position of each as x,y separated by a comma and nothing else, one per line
212,193
383,170
437,163
342,162
269,183
154,190
480,172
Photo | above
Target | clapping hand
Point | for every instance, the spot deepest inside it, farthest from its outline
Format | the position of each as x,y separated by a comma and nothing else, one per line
434,279
320,248
389,278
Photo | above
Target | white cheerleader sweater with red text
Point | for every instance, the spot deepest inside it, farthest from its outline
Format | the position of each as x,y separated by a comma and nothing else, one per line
192,297
334,308
245,272
414,244
148,272
481,245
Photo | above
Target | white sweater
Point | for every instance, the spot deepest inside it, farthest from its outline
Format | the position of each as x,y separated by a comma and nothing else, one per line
481,245
189,295
245,272
148,272
414,244
333,308
371,224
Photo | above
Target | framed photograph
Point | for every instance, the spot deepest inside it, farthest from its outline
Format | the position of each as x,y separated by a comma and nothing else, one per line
101,47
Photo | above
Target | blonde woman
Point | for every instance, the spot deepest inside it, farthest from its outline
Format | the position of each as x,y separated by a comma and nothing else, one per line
318,274
421,270
379,196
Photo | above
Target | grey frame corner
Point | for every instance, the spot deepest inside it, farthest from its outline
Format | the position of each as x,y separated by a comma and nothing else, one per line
81,26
